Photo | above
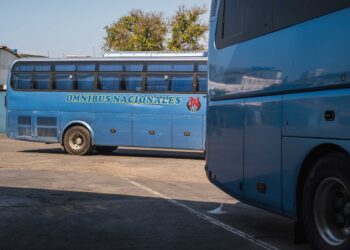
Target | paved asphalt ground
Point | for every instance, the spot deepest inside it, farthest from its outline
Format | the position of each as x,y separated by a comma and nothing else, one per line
131,199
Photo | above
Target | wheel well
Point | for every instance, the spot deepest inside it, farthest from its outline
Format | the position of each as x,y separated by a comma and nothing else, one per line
77,124
309,161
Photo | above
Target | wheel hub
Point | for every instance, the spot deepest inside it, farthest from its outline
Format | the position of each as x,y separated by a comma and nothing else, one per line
76,141
79,141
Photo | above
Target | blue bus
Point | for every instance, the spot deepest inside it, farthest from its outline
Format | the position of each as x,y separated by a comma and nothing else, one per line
278,118
156,100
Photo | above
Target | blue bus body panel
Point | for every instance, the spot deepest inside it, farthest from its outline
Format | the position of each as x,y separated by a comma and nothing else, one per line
305,114
225,147
20,125
204,131
262,150
310,54
68,119
114,119
105,123
187,132
295,149
152,131
305,128
2,112
45,126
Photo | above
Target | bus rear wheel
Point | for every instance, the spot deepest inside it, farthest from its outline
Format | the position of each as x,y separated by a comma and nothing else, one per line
105,149
326,203
77,141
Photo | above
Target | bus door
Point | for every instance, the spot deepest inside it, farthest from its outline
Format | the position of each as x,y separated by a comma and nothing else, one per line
225,142
262,151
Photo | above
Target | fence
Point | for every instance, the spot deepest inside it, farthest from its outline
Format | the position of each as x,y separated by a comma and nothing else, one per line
2,112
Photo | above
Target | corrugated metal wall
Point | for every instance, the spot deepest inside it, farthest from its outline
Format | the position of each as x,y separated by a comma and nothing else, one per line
6,59
2,112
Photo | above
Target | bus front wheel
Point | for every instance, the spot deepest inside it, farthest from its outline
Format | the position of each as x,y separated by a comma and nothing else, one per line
326,203
77,141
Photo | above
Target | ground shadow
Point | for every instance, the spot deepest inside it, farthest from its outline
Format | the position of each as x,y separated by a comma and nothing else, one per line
134,152
44,151
55,219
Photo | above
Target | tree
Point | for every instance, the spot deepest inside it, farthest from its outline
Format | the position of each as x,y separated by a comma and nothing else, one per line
187,30
138,31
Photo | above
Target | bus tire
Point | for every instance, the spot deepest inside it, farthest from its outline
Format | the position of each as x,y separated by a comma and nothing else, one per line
105,149
77,141
326,203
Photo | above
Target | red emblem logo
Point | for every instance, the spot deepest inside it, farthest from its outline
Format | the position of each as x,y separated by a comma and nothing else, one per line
194,104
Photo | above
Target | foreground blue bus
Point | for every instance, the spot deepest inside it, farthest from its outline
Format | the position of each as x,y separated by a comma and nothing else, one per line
278,118
151,100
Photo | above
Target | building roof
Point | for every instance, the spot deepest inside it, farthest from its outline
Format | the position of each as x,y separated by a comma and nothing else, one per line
13,52
26,55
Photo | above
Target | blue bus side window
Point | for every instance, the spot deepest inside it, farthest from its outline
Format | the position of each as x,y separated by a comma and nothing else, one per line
183,68
202,67
65,67
158,67
86,67
42,67
42,81
157,83
85,81
170,67
202,84
182,83
109,82
134,67
242,20
64,81
22,81
133,83
111,67
33,67
25,67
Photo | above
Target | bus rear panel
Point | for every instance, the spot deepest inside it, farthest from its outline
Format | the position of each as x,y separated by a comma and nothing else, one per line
279,75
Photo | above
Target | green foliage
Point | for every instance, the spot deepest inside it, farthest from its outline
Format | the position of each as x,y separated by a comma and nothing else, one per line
138,31
187,30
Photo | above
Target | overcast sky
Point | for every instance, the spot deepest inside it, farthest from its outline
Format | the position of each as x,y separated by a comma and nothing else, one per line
63,27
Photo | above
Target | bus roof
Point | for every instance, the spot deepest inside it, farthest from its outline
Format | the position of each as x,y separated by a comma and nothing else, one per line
147,54
129,56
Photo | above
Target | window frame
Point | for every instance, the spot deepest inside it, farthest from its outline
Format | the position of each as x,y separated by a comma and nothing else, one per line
122,74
